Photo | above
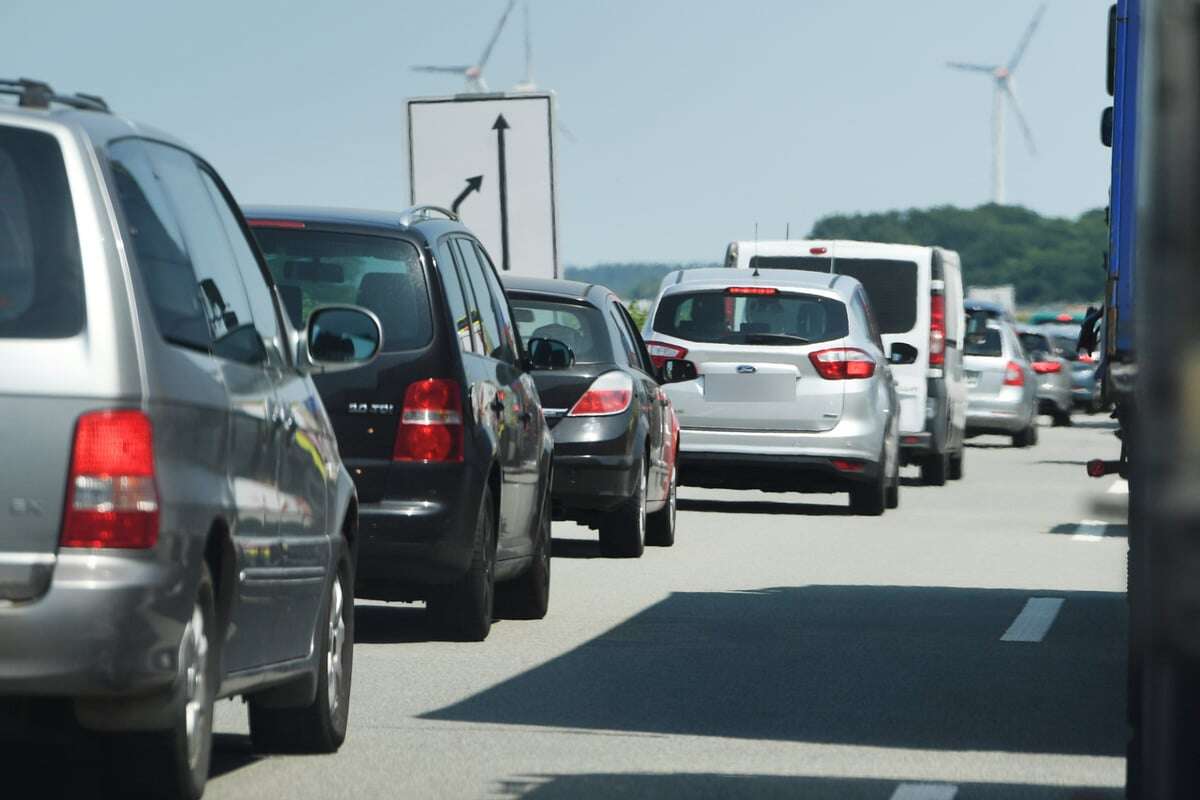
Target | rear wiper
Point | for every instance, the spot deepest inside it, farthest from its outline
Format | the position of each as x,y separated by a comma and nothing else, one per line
772,338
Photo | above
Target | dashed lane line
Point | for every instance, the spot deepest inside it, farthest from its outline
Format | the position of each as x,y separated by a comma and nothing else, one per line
1090,530
1034,620
925,791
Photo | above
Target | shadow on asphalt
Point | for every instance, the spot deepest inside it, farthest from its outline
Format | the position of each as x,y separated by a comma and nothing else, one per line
990,446
1112,530
908,667
707,786
575,548
1095,424
1063,462
395,623
763,507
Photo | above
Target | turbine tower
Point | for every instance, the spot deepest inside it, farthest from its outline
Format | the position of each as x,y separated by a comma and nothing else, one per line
1004,91
473,73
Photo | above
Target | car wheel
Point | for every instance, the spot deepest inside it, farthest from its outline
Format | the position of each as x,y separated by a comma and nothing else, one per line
320,726
623,531
956,466
892,500
465,608
528,597
1062,419
174,762
934,469
660,527
870,499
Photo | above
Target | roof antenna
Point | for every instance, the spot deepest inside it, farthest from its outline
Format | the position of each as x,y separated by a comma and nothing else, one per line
754,258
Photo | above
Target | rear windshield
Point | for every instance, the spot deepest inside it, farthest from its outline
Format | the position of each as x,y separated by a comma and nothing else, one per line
1035,343
379,273
580,327
779,319
1065,347
41,278
983,342
891,285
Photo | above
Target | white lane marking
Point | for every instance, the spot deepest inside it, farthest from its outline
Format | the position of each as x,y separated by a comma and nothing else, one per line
925,791
1090,530
1034,620
1120,486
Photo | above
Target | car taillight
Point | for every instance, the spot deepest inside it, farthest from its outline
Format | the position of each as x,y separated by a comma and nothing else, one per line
661,351
1014,375
431,423
1043,367
1086,358
848,465
842,363
750,291
611,393
111,497
937,329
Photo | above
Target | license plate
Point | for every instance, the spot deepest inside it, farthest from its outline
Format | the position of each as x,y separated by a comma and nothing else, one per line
972,379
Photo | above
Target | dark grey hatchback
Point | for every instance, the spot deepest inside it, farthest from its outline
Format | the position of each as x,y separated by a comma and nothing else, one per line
443,434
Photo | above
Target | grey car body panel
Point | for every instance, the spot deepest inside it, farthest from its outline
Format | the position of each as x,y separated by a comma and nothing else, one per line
98,625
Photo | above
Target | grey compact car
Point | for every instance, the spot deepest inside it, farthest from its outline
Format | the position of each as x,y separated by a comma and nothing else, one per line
1052,373
1001,385
177,525
792,388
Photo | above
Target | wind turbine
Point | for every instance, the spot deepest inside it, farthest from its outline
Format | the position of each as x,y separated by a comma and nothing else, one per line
474,72
1005,89
527,83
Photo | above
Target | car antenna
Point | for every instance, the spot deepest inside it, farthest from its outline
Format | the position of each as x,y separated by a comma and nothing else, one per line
754,258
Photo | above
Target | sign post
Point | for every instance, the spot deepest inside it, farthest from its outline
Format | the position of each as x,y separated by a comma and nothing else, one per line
491,158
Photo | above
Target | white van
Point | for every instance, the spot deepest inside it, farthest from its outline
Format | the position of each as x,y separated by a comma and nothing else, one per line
917,296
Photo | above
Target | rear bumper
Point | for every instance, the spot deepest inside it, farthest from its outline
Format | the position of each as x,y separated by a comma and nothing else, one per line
108,626
769,472
997,420
596,461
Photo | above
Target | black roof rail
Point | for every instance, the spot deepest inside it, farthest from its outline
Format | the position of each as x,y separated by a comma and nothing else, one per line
37,94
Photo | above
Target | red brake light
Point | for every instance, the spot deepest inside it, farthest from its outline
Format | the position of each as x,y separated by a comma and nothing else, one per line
431,426
285,224
661,351
1014,375
1043,367
111,497
611,393
842,363
751,290
937,329
846,465
1064,317
818,251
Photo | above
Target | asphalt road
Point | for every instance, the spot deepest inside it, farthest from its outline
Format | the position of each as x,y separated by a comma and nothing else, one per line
968,645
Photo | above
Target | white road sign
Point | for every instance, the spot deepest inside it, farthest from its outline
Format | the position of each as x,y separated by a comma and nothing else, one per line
491,158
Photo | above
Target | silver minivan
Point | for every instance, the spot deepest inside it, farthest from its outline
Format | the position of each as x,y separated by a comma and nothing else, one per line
790,386
177,524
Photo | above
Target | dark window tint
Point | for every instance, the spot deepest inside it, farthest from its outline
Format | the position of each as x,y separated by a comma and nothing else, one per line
580,327
41,278
452,283
810,263
782,319
1065,346
630,354
642,358
1035,344
891,287
493,342
379,273
508,335
984,342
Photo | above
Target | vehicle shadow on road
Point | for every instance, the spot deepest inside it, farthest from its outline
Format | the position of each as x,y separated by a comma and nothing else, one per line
1094,424
575,548
714,786
1112,530
394,624
908,667
763,507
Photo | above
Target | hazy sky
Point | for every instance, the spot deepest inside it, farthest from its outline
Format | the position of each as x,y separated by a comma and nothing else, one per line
693,120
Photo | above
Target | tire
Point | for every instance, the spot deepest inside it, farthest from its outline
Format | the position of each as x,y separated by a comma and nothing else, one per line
465,608
623,530
174,763
955,472
660,527
935,468
528,597
320,726
870,499
1062,419
1027,437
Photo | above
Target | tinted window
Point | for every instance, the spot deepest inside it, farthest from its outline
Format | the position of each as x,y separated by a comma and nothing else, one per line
785,318
489,324
41,279
984,342
810,263
1065,347
580,327
453,286
631,353
891,287
508,336
380,273
642,360
1035,343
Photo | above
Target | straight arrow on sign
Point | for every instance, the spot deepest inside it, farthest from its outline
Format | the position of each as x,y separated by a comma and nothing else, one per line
500,126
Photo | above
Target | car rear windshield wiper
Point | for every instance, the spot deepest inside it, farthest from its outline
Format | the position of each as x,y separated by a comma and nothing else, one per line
765,338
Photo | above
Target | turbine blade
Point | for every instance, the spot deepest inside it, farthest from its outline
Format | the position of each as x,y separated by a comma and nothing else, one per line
487,51
453,70
1020,51
567,134
971,67
528,47
1016,106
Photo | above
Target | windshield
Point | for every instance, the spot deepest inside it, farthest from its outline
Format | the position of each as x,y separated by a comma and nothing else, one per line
986,342
383,274
41,280
580,327
779,319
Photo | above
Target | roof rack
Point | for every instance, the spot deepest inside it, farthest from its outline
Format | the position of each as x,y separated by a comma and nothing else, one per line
37,94
418,213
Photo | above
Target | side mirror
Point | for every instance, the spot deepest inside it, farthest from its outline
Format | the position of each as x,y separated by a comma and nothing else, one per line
902,353
548,354
340,337
1106,127
677,370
